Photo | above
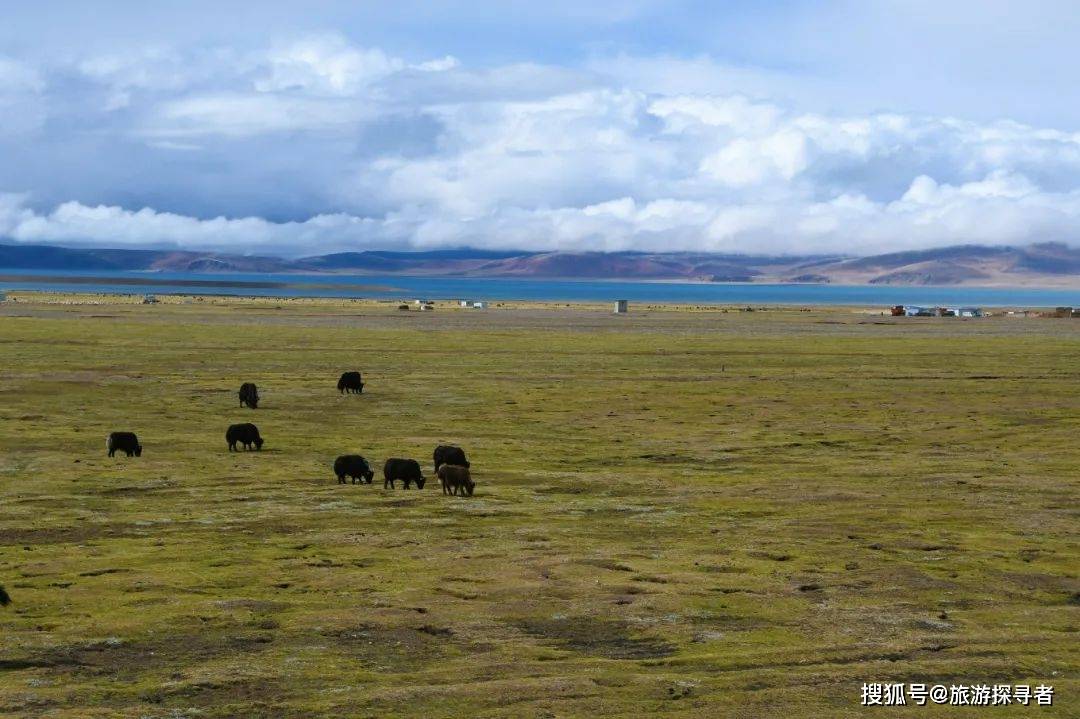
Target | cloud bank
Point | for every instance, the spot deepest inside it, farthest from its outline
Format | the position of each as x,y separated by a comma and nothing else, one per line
320,144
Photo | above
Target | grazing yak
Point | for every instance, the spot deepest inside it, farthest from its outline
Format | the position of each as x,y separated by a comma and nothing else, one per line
125,442
456,479
449,454
355,466
249,395
4,598
350,383
246,434
407,470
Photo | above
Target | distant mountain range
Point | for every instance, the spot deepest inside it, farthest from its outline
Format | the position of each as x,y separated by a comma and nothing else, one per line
1047,264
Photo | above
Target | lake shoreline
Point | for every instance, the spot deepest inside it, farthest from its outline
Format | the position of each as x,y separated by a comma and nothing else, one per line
420,287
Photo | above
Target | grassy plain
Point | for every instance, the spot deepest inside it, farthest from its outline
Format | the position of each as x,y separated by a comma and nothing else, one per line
678,513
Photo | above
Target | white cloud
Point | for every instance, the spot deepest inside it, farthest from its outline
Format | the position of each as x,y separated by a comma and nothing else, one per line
367,149
997,209
442,64
21,105
17,77
242,115
325,66
735,112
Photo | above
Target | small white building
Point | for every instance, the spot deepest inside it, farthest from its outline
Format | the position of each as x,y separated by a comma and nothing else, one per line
621,307
472,304
969,312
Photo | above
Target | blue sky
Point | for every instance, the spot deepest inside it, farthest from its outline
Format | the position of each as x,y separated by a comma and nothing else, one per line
791,126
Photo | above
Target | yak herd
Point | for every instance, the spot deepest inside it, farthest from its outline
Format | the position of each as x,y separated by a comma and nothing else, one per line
451,466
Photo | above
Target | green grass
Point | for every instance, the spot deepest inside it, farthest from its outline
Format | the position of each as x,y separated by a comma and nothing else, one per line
676,513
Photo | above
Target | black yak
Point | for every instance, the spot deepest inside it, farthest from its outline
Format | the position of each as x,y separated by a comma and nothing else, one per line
407,470
249,395
456,479
125,442
355,466
5,599
246,434
350,383
449,454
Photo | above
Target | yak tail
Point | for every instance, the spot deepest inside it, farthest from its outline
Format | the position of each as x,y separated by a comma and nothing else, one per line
4,598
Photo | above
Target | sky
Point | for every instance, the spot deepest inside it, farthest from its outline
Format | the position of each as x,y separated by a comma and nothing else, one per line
784,127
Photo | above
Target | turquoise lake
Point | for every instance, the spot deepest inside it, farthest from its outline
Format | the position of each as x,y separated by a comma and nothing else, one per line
494,289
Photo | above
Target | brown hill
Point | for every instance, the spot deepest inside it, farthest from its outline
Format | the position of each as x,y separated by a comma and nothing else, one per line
1047,264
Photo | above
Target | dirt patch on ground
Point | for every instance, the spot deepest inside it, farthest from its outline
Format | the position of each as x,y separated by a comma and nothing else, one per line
572,489
596,637
396,649
250,694
400,502
68,535
671,458
137,489
106,570
130,657
264,528
1034,581
259,606
610,564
